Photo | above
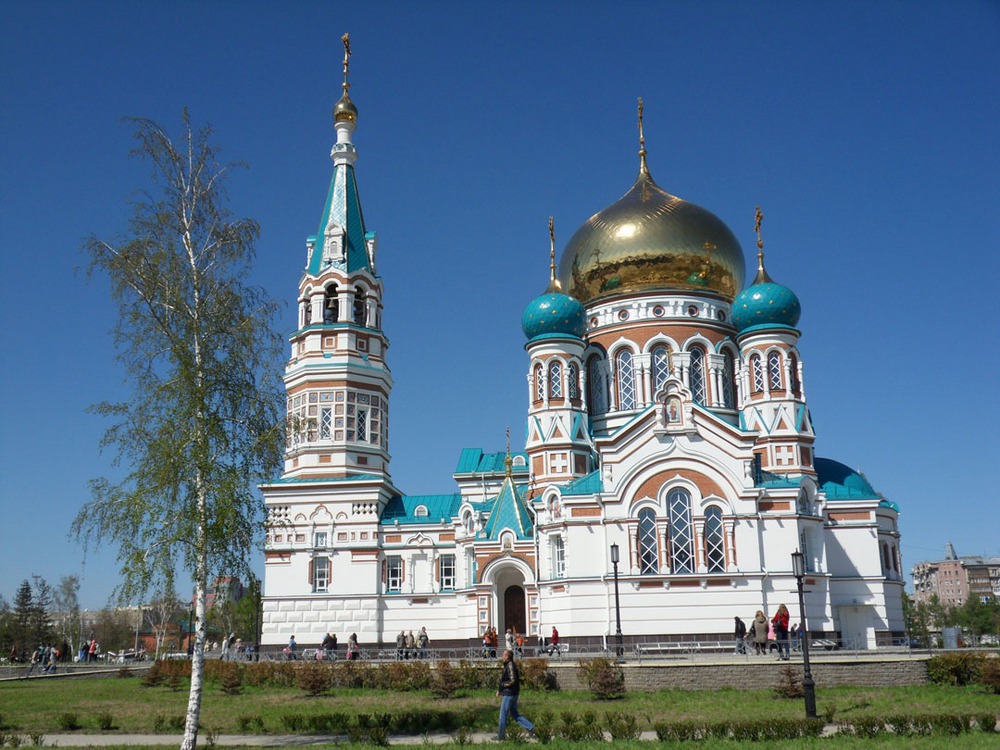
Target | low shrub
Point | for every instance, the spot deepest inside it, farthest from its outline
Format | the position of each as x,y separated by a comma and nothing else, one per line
864,726
603,677
177,722
293,722
789,684
989,674
105,721
679,730
536,675
986,722
230,678
545,727
69,721
159,723
446,681
622,726
955,668
953,724
314,679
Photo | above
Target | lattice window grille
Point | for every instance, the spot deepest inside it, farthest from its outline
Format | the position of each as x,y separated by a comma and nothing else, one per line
696,376
598,401
555,380
573,381
715,550
774,370
626,381
661,367
648,547
758,374
728,369
681,531
539,383
362,425
325,423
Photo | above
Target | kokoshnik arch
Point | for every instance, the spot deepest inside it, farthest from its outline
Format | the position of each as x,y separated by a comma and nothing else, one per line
666,413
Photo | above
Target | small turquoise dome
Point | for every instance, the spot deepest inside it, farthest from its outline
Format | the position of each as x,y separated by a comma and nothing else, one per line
766,303
553,313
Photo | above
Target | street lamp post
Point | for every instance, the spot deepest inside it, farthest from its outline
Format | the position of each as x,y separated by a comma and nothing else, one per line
620,651
808,686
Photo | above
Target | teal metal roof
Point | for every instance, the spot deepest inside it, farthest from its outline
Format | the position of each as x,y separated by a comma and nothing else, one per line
590,484
324,480
841,482
509,512
402,509
474,461
343,205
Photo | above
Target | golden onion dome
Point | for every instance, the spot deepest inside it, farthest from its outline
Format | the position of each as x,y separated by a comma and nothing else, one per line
345,110
651,240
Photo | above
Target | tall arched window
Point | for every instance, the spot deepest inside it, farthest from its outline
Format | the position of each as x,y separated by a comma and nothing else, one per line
626,380
539,383
573,381
715,548
757,372
793,369
555,379
331,307
681,531
660,365
597,387
649,558
774,371
696,375
359,307
728,380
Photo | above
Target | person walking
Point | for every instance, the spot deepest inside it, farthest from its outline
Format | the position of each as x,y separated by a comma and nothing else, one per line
554,642
422,642
759,629
780,623
508,690
740,634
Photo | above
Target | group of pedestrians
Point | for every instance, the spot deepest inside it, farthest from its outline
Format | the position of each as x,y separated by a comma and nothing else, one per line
44,658
409,646
760,631
235,649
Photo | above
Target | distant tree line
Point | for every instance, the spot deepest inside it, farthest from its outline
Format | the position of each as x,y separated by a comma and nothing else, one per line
978,619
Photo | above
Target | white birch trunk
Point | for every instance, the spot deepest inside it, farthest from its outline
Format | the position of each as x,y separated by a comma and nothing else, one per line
190,740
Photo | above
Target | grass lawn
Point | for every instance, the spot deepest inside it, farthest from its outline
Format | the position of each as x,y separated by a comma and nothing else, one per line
41,706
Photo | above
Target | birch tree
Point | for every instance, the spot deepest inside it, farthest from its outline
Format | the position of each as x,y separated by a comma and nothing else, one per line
201,426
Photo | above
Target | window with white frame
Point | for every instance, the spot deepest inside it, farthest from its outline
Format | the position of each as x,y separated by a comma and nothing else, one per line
774,371
715,549
573,380
728,380
793,372
447,572
325,423
648,546
558,557
320,575
696,375
757,373
539,383
320,539
597,388
626,380
681,531
555,379
393,573
660,363
470,567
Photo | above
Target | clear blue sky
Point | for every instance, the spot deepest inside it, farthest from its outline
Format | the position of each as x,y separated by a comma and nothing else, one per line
867,131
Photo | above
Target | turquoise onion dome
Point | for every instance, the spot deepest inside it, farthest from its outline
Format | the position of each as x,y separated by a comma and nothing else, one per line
765,303
553,313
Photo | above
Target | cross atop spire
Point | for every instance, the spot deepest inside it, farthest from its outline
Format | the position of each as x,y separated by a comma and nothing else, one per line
554,285
643,169
762,277
346,39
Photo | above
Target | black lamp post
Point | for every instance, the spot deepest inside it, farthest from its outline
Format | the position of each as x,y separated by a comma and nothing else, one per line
808,686
618,609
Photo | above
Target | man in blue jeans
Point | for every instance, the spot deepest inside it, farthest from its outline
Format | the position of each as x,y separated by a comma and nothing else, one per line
507,691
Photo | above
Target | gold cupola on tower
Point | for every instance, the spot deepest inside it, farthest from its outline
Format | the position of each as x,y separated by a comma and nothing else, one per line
650,240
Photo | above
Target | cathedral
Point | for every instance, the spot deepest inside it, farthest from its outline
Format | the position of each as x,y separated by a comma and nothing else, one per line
669,469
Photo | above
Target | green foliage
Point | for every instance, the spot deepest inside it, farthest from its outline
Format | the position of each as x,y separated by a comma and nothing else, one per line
986,722
105,721
545,727
989,674
789,684
314,678
446,680
231,678
536,675
604,678
622,726
955,668
69,721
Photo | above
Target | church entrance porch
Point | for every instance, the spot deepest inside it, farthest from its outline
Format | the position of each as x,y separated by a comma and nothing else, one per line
513,595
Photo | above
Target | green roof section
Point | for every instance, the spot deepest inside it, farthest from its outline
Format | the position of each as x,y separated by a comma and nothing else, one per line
475,461
589,484
343,206
417,509
509,512
841,482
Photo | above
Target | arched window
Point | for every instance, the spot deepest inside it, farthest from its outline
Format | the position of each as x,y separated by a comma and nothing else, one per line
774,371
649,557
681,531
573,381
696,376
715,548
597,387
660,365
555,379
331,307
626,380
469,522
539,383
359,307
804,547
558,557
757,371
728,380
886,565
793,368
